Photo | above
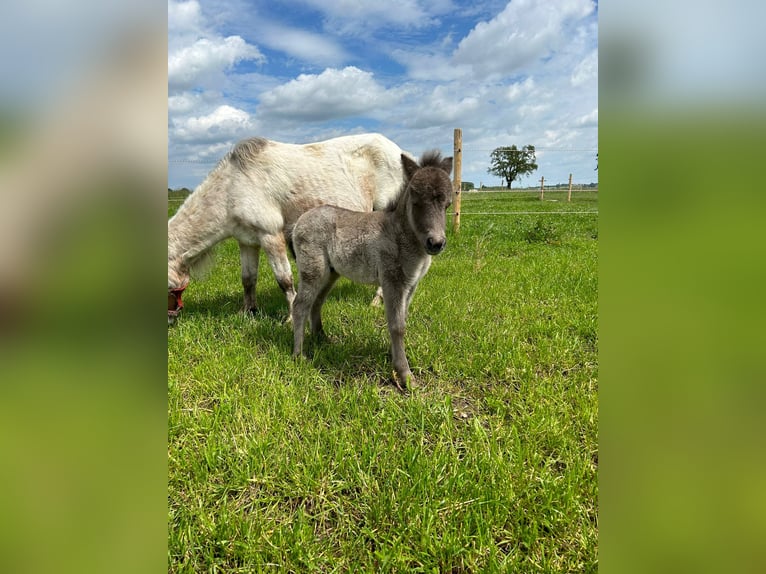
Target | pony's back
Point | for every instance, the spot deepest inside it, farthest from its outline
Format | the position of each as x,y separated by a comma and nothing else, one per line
360,172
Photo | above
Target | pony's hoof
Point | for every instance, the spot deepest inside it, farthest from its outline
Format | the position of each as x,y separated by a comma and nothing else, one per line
377,301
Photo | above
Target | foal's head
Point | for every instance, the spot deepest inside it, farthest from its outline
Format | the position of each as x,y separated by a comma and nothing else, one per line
429,194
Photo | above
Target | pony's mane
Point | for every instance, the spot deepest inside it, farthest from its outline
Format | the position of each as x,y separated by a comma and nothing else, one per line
430,158
200,266
244,152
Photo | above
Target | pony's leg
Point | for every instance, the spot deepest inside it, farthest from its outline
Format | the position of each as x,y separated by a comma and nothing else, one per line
275,248
395,300
249,257
316,309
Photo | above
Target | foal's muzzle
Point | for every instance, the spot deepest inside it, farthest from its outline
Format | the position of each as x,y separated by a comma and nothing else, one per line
434,247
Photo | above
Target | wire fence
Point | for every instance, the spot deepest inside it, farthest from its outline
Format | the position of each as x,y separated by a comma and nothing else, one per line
175,201
587,212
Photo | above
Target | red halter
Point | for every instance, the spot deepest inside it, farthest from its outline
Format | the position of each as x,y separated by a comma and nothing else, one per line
175,303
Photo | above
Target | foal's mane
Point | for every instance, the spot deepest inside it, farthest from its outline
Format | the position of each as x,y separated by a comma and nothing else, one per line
430,158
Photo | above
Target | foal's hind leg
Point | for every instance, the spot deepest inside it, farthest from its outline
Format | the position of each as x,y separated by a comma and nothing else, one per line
311,289
316,309
316,281
249,257
301,308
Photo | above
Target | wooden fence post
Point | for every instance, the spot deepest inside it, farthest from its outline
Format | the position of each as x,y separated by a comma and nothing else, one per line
569,194
457,183
542,187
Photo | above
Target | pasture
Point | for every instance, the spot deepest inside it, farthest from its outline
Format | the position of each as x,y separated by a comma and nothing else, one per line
321,464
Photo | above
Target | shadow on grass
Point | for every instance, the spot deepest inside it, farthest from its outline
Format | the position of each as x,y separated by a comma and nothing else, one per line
342,357
271,302
345,359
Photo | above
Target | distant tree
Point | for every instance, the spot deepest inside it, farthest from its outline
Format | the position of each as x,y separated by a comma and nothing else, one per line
510,162
466,185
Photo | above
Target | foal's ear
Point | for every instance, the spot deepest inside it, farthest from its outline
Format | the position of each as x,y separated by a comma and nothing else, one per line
410,166
446,164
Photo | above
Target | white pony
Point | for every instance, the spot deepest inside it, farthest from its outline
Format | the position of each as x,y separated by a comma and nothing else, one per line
256,194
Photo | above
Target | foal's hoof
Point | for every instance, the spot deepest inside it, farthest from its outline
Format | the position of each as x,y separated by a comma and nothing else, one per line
405,382
322,338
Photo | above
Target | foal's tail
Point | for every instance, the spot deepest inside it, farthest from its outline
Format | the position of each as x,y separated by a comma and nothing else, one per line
288,231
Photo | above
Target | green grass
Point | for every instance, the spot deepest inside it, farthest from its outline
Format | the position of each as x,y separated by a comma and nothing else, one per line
322,465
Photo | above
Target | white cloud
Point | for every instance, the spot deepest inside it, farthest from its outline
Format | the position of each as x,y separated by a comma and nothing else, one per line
183,103
303,45
519,90
225,123
430,66
350,16
586,70
588,120
331,94
525,32
184,16
533,110
206,59
445,105
186,25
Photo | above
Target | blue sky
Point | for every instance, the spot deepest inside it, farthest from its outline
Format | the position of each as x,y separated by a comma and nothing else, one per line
519,72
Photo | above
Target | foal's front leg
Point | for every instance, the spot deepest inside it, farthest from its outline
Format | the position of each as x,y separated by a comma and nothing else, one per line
395,300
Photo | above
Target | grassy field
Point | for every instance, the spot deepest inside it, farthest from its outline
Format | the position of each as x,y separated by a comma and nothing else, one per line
322,465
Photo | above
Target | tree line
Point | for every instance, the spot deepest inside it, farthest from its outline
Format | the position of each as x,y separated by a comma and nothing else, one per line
511,163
